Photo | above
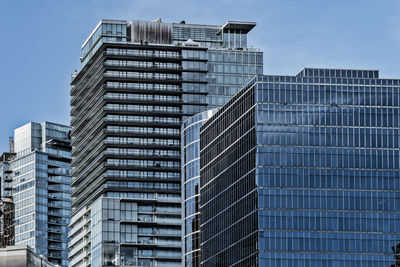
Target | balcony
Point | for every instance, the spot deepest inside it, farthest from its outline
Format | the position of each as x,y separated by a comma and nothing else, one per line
158,89
80,246
55,246
58,171
140,76
142,109
141,121
57,221
152,219
93,169
155,242
89,187
78,226
75,240
55,213
142,54
144,65
54,238
53,254
54,229
60,188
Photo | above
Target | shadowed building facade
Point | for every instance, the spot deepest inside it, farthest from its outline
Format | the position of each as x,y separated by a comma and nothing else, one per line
6,203
191,187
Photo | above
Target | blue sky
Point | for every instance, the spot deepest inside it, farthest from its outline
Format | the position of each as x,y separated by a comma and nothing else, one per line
41,41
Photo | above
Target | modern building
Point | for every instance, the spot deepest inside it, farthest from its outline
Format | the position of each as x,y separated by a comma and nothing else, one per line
6,222
6,201
5,175
303,171
139,81
41,189
22,256
231,61
191,187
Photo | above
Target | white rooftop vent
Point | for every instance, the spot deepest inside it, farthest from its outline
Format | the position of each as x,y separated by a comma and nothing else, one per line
190,42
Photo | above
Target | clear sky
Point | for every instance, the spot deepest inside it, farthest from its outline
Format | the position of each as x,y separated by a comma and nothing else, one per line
41,40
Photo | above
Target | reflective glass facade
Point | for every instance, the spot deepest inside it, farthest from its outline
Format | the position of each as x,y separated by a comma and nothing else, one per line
229,70
231,63
6,202
191,187
311,176
41,189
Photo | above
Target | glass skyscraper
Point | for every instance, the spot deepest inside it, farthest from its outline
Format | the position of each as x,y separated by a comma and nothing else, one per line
40,172
139,80
191,187
303,171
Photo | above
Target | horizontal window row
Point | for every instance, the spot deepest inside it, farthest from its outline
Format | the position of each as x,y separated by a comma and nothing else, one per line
155,196
22,161
332,80
19,238
22,187
143,52
229,79
346,203
328,178
143,174
143,141
157,230
141,75
323,96
141,152
142,130
159,208
148,119
328,136
143,185
197,54
194,65
329,117
142,97
142,108
142,64
325,245
144,86
194,76
320,158
143,163
316,222
238,57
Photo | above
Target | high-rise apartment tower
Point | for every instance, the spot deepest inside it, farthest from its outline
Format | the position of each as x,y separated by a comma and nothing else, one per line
139,80
40,172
